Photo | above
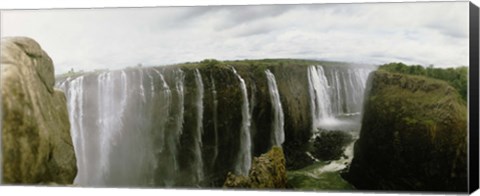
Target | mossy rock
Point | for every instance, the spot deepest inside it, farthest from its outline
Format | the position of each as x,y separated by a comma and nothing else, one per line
267,172
413,136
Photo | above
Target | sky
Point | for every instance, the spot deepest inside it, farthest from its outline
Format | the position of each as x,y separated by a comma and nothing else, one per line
371,33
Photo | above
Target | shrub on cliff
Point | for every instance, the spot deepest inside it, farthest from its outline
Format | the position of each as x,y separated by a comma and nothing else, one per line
457,77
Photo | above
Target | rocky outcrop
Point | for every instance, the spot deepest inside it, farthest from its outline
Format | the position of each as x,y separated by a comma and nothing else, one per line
413,136
330,145
267,171
36,142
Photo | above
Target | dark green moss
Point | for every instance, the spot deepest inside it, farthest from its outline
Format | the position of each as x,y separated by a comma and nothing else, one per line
413,136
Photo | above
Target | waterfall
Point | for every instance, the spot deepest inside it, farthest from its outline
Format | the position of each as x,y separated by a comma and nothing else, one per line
215,119
111,112
174,134
335,92
167,135
244,156
152,85
278,135
319,93
127,125
75,108
104,122
142,89
164,111
199,130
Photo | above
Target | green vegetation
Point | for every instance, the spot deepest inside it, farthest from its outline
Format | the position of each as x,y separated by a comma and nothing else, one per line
411,122
261,63
456,77
312,179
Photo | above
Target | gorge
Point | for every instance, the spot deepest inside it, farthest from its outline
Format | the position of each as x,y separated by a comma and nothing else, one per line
271,123
193,123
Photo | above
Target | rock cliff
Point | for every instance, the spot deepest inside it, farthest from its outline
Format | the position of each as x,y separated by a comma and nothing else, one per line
267,171
36,142
413,136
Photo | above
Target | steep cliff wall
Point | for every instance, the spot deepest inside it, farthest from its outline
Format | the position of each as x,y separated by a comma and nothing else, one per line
193,123
413,136
36,142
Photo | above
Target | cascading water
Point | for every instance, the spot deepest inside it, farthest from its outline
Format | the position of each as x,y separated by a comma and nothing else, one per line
245,155
128,125
199,130
349,85
319,92
215,119
336,93
173,137
278,135
76,92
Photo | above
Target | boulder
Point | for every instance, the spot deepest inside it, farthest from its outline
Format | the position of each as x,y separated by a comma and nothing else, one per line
330,145
36,143
267,172
413,136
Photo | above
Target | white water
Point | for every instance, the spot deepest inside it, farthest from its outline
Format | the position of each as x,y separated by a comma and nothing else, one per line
278,135
336,93
215,119
76,118
349,88
111,113
164,109
152,85
319,93
199,130
336,98
104,146
244,156
179,80
134,119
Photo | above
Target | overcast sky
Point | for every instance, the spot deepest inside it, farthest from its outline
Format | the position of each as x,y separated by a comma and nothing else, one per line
87,39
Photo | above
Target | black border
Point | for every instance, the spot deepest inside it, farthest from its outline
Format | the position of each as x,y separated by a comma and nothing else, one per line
473,100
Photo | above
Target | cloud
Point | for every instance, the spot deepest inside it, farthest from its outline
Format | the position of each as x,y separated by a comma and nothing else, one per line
417,33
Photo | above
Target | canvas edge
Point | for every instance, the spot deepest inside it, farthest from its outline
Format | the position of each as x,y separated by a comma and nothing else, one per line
473,164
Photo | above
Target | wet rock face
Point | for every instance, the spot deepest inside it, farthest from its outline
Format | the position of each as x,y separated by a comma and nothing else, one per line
36,142
330,145
413,136
267,171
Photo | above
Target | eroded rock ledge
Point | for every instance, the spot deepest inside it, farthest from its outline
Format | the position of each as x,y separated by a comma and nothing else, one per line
36,143
268,171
